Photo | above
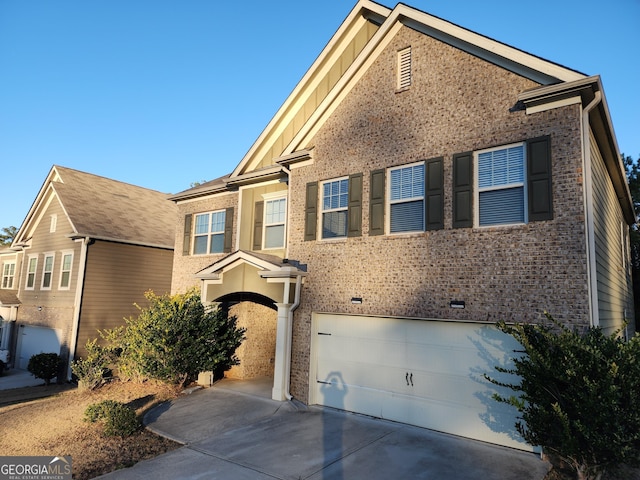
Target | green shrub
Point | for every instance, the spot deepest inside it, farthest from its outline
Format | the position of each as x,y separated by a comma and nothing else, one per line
94,369
119,419
177,337
578,395
45,366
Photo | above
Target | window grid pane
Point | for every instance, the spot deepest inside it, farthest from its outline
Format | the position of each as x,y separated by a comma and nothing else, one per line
335,195
202,223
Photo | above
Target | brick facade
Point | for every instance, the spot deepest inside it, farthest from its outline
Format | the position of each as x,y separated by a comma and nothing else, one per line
457,103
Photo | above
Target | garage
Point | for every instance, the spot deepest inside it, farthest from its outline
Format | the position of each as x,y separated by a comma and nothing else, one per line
33,340
427,373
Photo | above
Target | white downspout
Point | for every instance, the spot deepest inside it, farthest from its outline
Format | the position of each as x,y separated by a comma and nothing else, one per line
77,302
294,305
592,277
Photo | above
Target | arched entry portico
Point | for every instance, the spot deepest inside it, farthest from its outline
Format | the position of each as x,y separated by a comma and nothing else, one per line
257,314
268,279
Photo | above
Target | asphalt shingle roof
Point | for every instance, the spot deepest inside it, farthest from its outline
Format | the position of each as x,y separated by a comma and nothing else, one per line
104,208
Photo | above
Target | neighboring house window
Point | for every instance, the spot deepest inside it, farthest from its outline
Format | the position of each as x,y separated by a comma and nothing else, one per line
31,272
65,272
404,69
275,214
406,198
209,233
501,194
47,271
8,273
54,223
335,201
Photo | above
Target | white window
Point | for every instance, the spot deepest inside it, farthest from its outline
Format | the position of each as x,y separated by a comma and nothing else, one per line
275,214
406,198
209,233
47,271
404,69
8,274
335,203
65,271
54,223
32,267
501,194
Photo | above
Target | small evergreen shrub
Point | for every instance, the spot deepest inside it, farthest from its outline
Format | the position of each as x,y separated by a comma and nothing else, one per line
45,366
119,419
577,393
94,369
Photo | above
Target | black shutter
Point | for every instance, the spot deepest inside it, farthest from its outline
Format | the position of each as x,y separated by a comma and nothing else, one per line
434,194
311,212
186,242
354,213
228,229
257,225
539,179
376,203
463,190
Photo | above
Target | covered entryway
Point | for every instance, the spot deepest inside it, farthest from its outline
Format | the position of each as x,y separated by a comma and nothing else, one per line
259,281
427,373
33,340
258,315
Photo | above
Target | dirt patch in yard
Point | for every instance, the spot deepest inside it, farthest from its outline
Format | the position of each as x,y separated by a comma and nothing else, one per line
54,426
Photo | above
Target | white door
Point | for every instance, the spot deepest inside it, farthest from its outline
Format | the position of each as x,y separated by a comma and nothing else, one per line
33,340
425,373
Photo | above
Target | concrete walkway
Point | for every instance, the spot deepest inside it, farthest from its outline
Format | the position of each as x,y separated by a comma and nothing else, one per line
231,431
16,378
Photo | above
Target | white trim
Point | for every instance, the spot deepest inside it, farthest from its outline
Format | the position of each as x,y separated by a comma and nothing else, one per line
477,190
555,104
62,270
53,223
322,211
209,234
388,202
44,265
78,299
12,276
270,197
35,272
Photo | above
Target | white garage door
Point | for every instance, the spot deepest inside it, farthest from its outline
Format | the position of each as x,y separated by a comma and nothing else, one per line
425,373
34,340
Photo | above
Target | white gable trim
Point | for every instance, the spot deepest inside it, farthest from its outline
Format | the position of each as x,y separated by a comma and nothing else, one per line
517,61
308,83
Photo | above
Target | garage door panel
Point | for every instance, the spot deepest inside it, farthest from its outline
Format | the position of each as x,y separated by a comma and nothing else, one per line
425,373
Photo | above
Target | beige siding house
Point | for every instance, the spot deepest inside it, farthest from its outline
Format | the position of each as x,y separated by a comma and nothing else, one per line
420,183
87,250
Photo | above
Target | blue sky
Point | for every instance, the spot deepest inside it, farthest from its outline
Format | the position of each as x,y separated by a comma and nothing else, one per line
162,93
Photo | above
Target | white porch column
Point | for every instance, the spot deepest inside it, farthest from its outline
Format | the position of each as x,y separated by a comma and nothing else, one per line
279,391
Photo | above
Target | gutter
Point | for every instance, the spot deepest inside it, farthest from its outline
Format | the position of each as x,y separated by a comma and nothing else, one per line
592,278
294,305
78,302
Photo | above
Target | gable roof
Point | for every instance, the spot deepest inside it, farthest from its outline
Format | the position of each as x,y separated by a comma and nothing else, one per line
105,209
388,24
357,43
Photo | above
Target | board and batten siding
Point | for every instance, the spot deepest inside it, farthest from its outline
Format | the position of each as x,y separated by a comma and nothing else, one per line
290,124
615,296
117,276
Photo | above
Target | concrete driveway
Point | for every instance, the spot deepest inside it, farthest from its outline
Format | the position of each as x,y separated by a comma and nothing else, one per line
233,434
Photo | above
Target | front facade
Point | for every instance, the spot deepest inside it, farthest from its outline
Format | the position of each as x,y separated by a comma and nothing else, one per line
86,252
421,183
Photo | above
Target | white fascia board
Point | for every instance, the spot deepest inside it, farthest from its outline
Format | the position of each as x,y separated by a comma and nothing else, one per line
493,51
312,77
200,197
511,58
554,104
